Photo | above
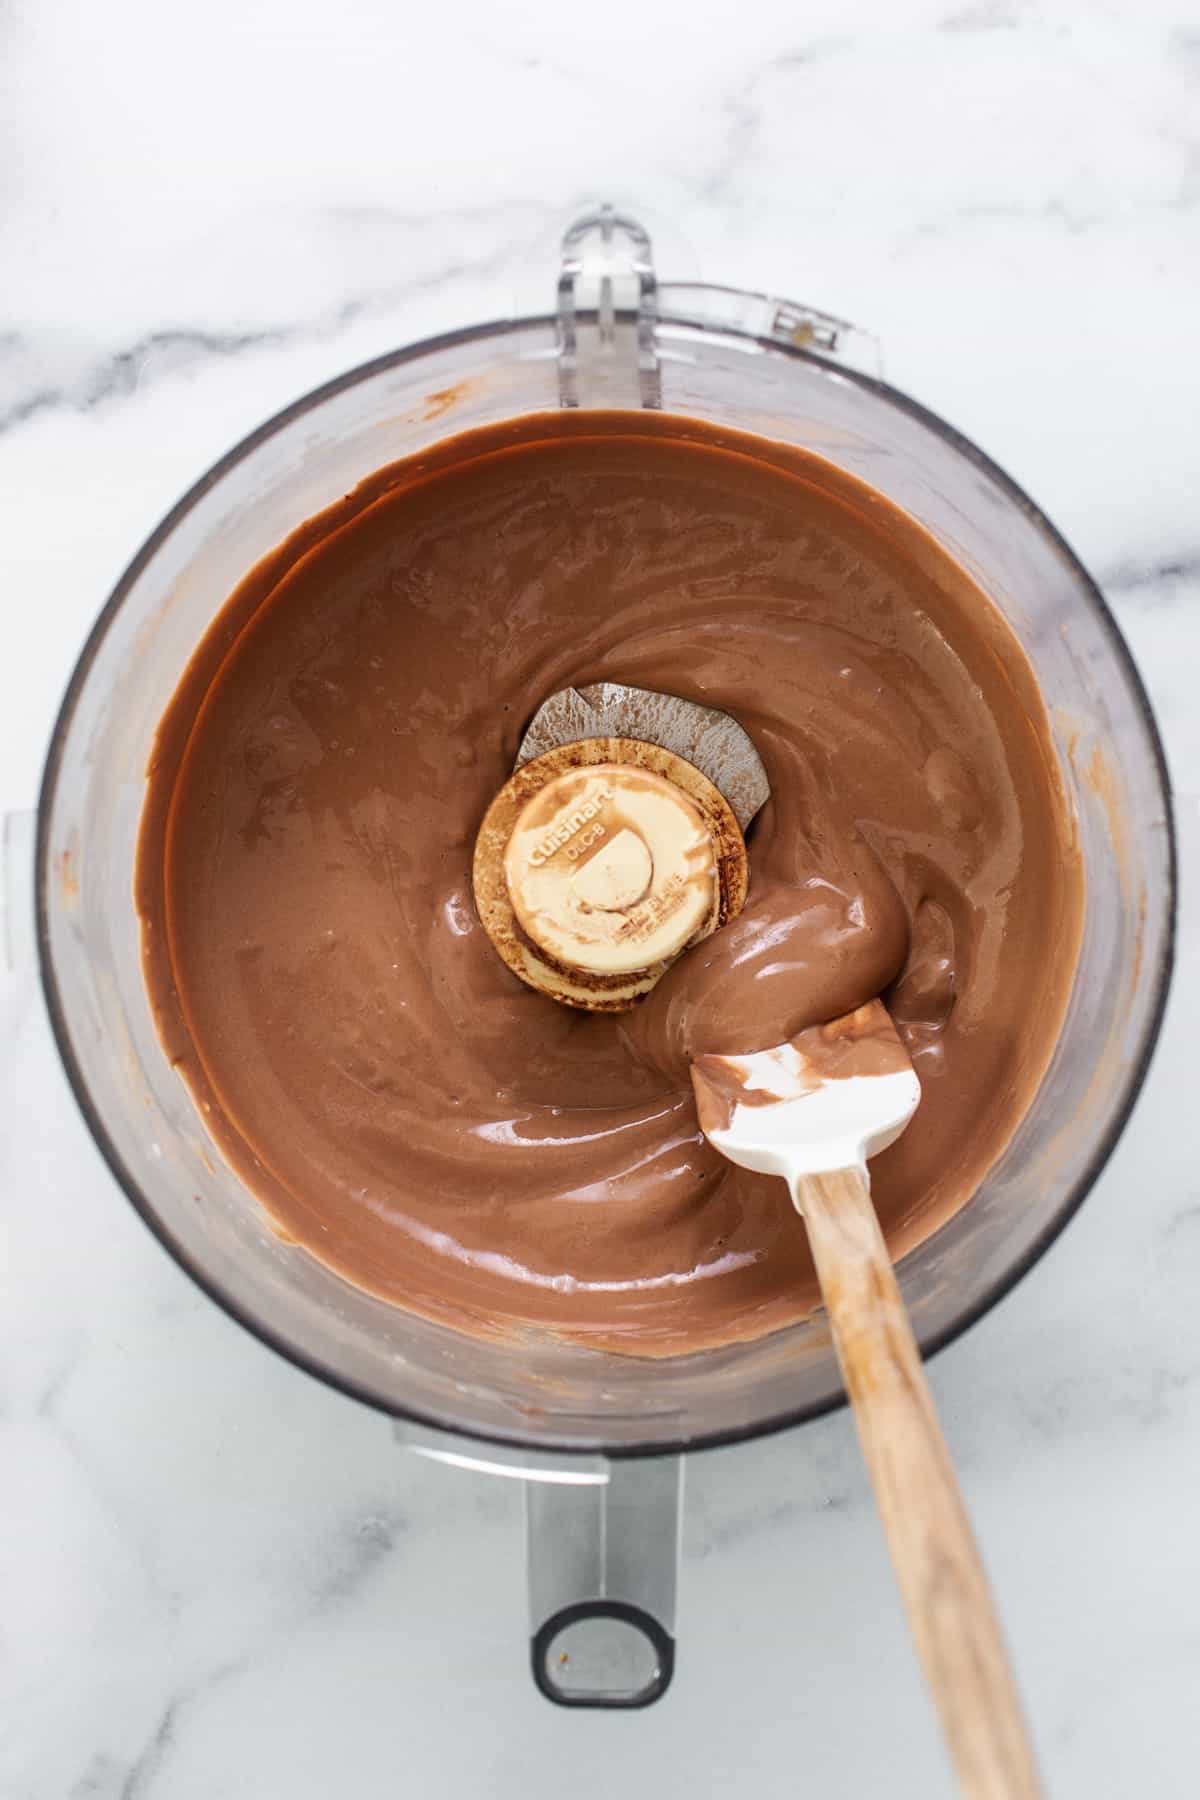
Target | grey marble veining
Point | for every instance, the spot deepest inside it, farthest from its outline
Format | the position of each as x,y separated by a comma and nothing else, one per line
222,1582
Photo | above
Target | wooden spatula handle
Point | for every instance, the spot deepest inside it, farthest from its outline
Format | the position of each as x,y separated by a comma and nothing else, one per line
941,1578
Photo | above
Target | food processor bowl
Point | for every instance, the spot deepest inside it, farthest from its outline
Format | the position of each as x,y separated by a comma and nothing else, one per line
549,1408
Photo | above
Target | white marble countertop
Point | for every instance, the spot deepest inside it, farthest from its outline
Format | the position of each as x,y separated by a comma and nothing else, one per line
220,1581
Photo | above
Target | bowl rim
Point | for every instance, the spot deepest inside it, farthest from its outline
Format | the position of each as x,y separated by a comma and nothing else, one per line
312,1364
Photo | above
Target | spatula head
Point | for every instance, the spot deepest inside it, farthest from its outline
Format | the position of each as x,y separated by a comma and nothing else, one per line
828,1099
710,740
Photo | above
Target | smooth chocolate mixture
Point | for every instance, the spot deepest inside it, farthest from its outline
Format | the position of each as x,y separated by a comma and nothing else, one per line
402,1104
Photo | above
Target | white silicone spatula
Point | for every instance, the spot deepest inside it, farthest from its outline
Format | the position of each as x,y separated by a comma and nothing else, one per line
813,1111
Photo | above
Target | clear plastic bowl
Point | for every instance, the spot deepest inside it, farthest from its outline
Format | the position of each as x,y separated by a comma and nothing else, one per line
739,359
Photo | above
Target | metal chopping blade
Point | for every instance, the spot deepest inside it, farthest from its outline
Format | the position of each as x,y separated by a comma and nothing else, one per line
711,740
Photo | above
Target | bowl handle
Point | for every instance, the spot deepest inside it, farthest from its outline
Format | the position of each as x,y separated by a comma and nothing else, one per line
607,304
602,1541
603,1563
